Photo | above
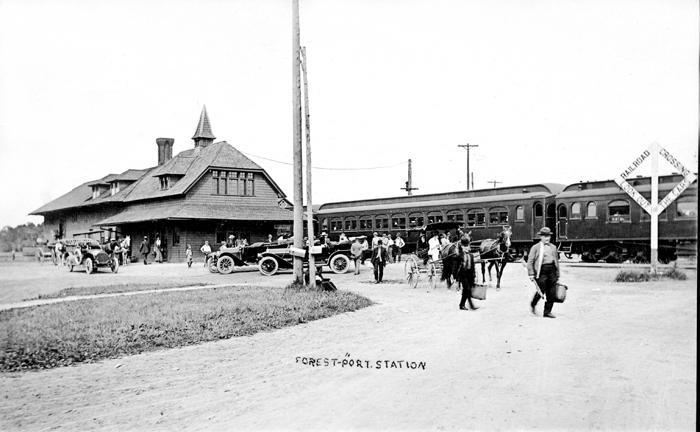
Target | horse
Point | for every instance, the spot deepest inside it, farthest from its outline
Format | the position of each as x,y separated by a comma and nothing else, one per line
452,259
496,251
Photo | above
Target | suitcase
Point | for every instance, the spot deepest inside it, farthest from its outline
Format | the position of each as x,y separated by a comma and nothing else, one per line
559,293
478,292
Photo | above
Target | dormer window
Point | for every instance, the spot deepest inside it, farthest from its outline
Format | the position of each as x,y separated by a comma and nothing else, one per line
97,191
164,182
115,188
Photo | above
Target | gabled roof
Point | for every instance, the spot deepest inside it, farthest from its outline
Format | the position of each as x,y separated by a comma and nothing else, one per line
175,166
130,175
204,127
74,198
104,180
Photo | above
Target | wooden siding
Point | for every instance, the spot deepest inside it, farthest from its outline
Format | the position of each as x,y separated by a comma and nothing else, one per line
201,192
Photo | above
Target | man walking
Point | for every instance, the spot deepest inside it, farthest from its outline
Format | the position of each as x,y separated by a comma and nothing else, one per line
144,250
543,269
356,252
379,259
398,245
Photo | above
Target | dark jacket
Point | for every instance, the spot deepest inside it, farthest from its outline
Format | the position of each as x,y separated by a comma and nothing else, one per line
145,248
384,255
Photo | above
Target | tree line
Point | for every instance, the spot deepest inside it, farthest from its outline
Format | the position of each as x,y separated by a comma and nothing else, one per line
25,235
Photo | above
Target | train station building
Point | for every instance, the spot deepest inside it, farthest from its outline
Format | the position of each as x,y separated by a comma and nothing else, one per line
208,192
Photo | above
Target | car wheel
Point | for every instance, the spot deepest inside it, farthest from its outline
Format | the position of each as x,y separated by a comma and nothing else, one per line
225,264
211,265
88,265
268,266
340,264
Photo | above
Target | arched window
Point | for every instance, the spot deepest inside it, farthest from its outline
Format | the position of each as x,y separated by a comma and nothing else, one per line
455,216
519,213
476,218
324,224
619,211
398,221
350,224
498,216
434,217
381,222
686,208
416,220
538,210
591,211
575,211
562,211
365,222
336,224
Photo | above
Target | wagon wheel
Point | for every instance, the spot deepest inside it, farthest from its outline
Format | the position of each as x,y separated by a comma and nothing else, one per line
411,272
432,275
211,265
268,266
225,264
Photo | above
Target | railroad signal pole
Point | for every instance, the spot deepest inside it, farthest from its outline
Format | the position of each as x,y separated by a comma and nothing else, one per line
494,182
409,184
467,146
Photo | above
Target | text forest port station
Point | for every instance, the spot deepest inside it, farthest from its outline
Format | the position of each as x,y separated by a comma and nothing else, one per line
206,193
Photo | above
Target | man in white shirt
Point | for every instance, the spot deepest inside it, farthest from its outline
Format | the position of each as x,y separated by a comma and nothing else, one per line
399,244
206,250
434,247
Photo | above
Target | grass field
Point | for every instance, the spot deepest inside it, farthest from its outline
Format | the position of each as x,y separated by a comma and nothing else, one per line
114,289
62,334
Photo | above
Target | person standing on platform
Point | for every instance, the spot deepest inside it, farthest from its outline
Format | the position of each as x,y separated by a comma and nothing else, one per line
389,247
422,249
206,250
365,249
543,269
379,259
398,246
434,245
156,248
144,250
188,255
356,252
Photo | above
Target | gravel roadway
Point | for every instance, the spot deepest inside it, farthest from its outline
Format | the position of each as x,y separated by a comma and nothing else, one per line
618,357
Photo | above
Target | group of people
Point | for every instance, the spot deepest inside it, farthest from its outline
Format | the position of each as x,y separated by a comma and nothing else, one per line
385,250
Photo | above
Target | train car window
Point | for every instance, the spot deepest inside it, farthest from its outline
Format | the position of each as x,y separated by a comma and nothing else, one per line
398,221
686,208
538,210
562,212
434,217
381,222
455,216
498,216
591,211
350,224
336,224
365,223
619,211
476,218
519,213
575,211
324,224
416,220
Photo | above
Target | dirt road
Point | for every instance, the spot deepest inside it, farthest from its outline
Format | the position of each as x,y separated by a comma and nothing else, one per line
617,357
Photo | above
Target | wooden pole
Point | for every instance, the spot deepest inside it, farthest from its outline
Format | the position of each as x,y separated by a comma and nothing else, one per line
467,147
309,209
654,209
298,168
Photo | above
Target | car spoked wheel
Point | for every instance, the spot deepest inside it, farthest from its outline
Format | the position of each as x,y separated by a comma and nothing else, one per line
211,265
225,265
340,264
89,266
268,266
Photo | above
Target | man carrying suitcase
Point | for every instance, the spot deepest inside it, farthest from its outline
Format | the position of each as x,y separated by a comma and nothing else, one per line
543,269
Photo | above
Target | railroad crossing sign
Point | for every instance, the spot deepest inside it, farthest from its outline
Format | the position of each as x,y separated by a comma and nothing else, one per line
655,207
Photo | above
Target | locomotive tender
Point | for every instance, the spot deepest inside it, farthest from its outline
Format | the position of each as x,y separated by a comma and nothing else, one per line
596,219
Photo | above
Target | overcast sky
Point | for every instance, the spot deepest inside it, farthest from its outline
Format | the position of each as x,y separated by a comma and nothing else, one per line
550,91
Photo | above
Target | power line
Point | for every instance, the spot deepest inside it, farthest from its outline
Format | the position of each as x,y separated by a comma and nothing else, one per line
324,168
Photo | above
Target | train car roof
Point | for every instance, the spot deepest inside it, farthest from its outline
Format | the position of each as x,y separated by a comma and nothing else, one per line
476,196
609,187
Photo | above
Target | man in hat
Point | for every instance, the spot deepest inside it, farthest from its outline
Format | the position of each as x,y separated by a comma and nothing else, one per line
144,249
379,260
543,269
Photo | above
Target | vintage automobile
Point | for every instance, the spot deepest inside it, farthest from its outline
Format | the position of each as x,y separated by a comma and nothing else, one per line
226,261
89,254
336,256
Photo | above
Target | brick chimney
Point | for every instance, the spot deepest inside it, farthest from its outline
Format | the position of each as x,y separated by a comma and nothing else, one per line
165,149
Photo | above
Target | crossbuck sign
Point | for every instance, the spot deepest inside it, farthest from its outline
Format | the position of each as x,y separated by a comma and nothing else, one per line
655,207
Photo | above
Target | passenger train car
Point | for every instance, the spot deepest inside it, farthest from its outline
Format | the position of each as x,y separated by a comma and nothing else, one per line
597,220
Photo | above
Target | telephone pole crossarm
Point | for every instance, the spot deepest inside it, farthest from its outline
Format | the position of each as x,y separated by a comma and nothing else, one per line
467,147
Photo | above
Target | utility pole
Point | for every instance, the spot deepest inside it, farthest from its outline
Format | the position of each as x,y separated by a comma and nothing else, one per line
494,182
472,180
309,208
297,170
468,146
409,184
